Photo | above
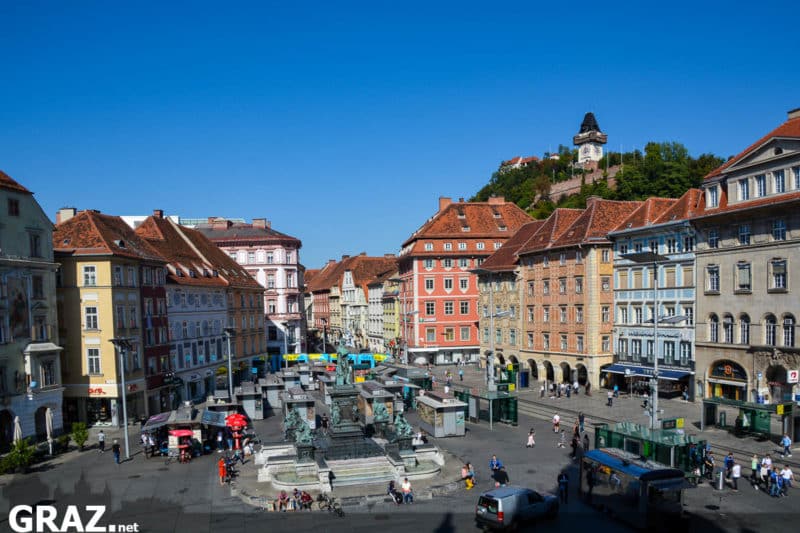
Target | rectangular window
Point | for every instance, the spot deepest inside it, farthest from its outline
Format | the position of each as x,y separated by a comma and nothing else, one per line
649,349
778,274
13,207
35,242
430,308
463,263
463,283
654,246
448,246
713,238
562,285
578,285
498,336
447,263
779,230
428,263
545,261
713,197
744,190
637,315
637,247
485,334
578,257
712,278
270,281
530,288
578,314
796,171
669,352
464,333
448,308
462,246
622,279
562,258
744,234
761,186
120,315
606,255
512,337
530,314
623,315
743,281
562,311
688,312
89,276
429,284
93,360
636,348
133,317
623,248
779,179
546,286
606,313
622,346
579,343
606,344
428,246
37,287
688,244
463,307
530,340
672,246
563,343
605,284
686,353
546,314
90,316
545,341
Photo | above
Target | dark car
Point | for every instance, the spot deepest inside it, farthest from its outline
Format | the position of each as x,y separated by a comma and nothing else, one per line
508,507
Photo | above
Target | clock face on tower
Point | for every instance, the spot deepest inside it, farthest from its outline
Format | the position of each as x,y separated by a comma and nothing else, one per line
586,150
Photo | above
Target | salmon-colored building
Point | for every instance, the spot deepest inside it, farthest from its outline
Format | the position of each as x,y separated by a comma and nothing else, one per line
438,292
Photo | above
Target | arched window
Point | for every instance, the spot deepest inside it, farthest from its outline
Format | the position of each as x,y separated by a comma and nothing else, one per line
770,325
727,329
744,329
713,328
788,330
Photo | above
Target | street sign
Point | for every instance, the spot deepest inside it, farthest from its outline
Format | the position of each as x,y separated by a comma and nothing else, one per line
792,376
672,423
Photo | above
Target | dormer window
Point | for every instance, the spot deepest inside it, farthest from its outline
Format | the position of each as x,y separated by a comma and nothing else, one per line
713,197
465,228
120,243
428,246
448,246
744,190
502,228
192,274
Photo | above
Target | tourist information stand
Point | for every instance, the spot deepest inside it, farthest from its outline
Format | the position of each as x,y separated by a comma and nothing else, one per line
441,415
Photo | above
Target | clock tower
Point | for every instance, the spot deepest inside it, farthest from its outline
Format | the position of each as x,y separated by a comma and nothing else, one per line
590,140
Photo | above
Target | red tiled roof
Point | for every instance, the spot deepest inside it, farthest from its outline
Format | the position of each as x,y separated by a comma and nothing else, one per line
519,161
184,248
554,225
479,217
7,182
600,217
505,258
242,232
725,207
790,129
93,233
328,275
365,268
309,275
687,206
647,213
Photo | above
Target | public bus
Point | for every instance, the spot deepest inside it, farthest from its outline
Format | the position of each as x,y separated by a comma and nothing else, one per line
645,494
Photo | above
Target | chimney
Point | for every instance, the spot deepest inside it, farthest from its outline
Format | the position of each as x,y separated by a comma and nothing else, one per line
362,254
388,256
345,257
794,113
220,223
331,262
461,200
444,201
260,223
211,220
497,200
64,214
158,213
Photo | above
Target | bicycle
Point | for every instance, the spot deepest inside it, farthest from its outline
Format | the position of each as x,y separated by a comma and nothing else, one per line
329,503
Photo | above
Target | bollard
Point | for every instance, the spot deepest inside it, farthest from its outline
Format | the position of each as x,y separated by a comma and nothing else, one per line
721,482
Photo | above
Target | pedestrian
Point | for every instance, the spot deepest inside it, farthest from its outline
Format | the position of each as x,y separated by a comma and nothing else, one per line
470,480
574,445
729,462
495,464
531,442
576,430
559,389
645,399
461,374
581,420
588,389
708,465
151,443
143,442
788,477
775,483
754,468
101,441
222,470
408,494
736,473
575,387
786,442
563,488
764,472
501,477
115,450
541,391
585,442
616,391
220,446
610,399
325,424
569,390
556,423
562,441
685,393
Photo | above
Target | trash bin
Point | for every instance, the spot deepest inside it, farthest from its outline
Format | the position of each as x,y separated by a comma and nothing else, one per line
524,379
721,480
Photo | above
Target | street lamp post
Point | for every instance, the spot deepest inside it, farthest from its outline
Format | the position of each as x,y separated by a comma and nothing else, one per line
324,342
285,342
122,344
228,334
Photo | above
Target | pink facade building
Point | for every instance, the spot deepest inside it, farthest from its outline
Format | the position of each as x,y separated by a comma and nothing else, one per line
438,292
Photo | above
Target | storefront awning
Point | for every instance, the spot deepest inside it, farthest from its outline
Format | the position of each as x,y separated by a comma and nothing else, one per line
641,371
214,418
156,421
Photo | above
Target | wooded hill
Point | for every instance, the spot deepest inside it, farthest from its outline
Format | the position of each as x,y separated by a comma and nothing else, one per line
664,169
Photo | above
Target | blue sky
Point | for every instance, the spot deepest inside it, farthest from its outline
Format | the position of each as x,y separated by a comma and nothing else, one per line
343,122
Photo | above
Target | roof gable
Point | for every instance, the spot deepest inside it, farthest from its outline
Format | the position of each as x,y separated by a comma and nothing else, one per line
93,233
8,183
594,224
505,258
554,225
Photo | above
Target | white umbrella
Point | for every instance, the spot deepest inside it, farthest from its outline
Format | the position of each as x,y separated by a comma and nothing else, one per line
17,429
48,424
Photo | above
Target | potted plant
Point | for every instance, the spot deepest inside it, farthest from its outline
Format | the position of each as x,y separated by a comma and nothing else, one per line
20,457
80,434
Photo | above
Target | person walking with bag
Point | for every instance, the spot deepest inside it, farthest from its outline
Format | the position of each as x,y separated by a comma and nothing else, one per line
531,442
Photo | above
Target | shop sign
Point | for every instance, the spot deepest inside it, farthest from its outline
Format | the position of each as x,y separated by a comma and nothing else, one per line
792,376
96,391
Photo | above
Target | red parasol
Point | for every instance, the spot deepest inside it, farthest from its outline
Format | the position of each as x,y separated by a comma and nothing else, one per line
236,420
181,432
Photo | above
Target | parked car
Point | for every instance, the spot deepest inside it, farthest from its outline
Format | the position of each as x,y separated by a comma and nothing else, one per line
508,507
